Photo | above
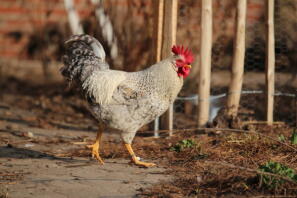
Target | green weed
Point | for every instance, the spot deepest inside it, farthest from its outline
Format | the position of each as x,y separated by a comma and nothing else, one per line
183,144
294,137
272,182
281,138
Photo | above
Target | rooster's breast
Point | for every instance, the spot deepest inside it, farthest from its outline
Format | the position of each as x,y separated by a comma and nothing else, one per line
131,116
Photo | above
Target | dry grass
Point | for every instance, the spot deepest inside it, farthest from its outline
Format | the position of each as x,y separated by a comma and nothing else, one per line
223,164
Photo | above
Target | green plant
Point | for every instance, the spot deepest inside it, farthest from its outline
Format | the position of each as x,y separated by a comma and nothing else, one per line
273,182
183,144
281,138
294,137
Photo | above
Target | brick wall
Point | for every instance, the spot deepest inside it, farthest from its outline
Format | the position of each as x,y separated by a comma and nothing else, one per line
19,19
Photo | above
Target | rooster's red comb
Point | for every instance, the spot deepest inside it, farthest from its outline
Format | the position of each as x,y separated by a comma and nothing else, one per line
180,50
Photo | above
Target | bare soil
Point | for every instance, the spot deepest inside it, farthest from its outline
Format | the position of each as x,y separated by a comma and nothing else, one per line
37,162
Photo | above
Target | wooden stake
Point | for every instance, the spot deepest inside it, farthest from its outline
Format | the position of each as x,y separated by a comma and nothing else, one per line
169,39
270,61
238,60
158,5
188,107
205,65
170,24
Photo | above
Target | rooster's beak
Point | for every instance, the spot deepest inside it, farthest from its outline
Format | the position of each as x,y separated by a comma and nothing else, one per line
188,66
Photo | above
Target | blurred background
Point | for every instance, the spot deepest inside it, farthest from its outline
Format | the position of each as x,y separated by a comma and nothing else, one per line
32,33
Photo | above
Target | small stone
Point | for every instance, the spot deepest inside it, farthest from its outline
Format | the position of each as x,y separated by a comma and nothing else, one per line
28,134
199,179
8,127
29,145
9,146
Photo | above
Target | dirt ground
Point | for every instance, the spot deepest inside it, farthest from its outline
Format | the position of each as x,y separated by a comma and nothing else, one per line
44,128
31,166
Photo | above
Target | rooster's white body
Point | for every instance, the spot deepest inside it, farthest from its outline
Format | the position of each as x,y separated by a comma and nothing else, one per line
124,101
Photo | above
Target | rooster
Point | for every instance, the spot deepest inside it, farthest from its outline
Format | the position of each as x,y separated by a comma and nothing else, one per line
123,101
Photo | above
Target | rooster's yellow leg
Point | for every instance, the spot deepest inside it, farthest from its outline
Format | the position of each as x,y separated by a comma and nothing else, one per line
96,145
134,158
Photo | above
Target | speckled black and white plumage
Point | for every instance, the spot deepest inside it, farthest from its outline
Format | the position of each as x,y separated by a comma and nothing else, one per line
121,100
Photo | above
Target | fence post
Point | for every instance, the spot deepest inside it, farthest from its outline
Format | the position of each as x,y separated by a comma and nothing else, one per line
270,60
238,60
205,61
158,5
169,39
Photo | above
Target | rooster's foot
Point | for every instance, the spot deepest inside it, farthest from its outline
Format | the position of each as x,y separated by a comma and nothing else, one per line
143,164
136,160
95,152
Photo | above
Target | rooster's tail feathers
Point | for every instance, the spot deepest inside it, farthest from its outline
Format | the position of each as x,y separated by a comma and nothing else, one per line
84,55
96,46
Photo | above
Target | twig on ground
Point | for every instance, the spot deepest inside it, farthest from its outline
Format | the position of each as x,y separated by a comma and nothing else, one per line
8,183
275,196
80,143
21,142
78,165
261,122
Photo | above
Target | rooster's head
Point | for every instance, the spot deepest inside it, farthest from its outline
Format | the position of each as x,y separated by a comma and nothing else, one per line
184,60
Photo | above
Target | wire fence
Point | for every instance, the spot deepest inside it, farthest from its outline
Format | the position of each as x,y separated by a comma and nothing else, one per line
253,99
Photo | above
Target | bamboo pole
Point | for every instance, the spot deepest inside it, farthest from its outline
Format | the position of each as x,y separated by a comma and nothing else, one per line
169,39
158,5
238,60
73,18
106,28
205,64
270,61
